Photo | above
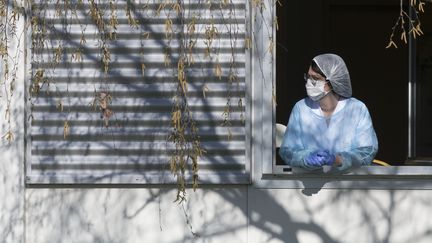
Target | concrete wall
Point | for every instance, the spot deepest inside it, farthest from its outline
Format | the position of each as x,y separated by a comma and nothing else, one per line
231,214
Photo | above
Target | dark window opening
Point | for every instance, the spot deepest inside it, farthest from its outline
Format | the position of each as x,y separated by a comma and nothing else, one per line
358,31
423,90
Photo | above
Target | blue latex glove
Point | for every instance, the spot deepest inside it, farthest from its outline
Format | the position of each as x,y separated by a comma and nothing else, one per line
327,157
314,159
320,158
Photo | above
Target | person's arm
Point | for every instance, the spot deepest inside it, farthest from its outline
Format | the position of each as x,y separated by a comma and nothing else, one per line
292,150
365,144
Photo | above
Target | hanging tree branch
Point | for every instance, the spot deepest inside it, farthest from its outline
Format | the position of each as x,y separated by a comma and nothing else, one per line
408,24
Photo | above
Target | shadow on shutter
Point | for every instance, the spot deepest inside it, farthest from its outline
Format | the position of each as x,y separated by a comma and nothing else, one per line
75,140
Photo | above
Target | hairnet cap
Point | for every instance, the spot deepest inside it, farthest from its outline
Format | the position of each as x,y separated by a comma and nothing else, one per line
335,70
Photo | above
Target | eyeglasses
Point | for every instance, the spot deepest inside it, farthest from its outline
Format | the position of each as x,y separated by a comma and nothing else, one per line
313,80
307,76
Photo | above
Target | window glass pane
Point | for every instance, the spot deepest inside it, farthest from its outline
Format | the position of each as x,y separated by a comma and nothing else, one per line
424,89
358,31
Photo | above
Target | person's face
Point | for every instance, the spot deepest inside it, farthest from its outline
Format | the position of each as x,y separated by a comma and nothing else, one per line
318,77
314,75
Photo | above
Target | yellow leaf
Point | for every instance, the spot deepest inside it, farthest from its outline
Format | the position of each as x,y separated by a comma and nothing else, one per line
270,46
66,129
414,32
82,40
274,99
279,2
177,8
3,49
205,89
276,24
168,28
9,136
420,7
420,32
390,44
248,43
60,105
218,71
159,9
403,37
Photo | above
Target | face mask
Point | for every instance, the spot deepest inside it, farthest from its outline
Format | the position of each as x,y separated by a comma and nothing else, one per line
316,92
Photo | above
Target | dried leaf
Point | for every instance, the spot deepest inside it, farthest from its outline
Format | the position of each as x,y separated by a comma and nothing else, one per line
107,113
173,164
159,9
390,44
218,71
66,129
3,49
270,46
9,136
167,60
275,23
143,67
58,53
177,8
420,32
204,90
168,28
403,37
248,43
420,7
60,105
82,40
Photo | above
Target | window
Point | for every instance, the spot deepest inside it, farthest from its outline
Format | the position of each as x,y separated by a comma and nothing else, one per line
381,78
357,32
103,90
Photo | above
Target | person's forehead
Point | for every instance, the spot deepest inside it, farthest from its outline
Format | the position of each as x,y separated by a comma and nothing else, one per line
312,72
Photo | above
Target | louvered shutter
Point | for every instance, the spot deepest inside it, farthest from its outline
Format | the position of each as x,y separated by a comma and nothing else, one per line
72,138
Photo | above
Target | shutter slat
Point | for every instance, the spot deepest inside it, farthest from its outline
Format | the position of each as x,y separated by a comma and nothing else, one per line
131,145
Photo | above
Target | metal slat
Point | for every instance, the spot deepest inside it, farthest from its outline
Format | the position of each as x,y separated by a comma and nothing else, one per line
134,147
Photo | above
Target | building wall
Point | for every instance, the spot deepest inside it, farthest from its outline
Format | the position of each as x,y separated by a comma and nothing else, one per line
229,214
211,214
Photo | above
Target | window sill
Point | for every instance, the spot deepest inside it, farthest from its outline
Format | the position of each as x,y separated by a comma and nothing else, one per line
367,177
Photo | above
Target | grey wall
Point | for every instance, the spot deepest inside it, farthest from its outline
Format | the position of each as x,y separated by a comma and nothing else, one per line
230,214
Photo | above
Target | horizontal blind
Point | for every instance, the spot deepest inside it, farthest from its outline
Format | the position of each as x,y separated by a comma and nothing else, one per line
109,122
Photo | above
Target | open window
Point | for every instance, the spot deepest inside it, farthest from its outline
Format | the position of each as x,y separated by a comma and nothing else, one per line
395,84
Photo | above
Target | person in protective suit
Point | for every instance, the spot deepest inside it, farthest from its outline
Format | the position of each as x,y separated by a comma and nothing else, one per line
329,127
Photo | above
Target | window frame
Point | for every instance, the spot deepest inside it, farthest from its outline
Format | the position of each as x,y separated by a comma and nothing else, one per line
269,175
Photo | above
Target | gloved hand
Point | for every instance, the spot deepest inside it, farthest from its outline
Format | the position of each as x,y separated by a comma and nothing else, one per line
320,158
327,157
314,159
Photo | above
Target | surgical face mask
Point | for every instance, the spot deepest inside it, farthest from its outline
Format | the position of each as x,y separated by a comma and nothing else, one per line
315,89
